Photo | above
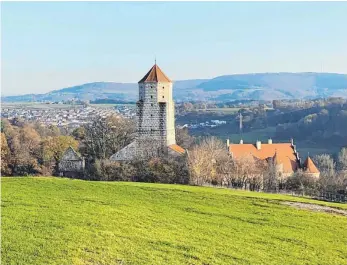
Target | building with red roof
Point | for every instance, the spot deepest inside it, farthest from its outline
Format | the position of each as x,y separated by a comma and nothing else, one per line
283,155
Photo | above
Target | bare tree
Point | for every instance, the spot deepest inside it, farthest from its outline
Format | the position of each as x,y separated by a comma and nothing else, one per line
271,178
183,138
104,137
203,161
342,159
327,168
325,164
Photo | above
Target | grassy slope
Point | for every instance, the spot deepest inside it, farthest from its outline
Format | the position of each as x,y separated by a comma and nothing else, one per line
62,221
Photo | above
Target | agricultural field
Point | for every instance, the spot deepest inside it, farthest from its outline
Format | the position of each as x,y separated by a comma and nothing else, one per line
37,106
222,110
48,220
252,136
112,105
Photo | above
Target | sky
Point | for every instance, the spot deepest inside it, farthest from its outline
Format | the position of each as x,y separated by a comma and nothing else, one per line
52,45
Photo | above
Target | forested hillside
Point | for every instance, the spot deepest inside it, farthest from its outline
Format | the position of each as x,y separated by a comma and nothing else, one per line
261,86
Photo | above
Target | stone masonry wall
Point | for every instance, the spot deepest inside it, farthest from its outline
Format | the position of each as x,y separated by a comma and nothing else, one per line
155,114
152,117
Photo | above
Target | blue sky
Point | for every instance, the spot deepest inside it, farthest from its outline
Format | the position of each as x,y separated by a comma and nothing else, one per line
51,45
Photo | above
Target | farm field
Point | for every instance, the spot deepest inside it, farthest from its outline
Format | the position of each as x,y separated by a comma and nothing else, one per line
112,105
48,220
227,110
38,105
223,110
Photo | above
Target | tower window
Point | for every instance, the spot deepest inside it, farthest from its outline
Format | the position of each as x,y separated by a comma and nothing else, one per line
163,96
151,96
151,115
163,87
151,104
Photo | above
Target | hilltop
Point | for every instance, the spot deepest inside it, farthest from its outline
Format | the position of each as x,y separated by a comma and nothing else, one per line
260,86
62,221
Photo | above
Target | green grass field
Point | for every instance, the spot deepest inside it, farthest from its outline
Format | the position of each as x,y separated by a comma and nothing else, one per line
223,110
63,221
252,136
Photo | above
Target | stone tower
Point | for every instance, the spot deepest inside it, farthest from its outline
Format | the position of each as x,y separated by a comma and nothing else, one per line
155,114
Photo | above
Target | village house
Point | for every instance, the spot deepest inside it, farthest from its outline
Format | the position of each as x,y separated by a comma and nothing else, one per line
283,155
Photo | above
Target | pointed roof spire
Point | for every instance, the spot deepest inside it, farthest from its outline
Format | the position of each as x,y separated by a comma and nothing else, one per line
309,166
155,74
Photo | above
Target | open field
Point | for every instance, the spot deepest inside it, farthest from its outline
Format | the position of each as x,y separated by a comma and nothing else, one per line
112,105
38,105
252,136
62,221
227,110
223,110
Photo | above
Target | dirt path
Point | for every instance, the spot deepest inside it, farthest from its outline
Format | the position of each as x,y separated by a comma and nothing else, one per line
316,208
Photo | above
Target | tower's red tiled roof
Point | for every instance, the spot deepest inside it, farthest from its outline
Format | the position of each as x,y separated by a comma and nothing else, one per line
155,74
177,148
284,154
309,166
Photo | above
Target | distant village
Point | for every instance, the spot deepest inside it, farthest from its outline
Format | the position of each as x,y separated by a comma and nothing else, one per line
74,115
60,115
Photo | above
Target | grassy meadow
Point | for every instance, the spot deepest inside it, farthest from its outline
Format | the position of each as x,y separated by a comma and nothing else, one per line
62,221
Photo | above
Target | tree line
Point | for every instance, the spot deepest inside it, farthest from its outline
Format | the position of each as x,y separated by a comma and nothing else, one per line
33,149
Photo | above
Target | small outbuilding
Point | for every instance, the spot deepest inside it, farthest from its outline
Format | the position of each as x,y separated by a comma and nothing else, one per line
72,164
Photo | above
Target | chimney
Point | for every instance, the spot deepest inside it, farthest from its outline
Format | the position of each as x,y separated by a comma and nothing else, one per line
292,141
258,145
269,141
228,143
241,141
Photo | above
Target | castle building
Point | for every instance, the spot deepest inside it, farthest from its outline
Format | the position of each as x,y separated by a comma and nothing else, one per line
155,113
283,155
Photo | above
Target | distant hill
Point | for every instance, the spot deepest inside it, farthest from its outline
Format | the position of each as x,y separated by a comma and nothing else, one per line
258,86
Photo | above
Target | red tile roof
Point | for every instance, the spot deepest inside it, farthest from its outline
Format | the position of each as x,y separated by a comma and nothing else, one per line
284,154
155,74
309,166
177,148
